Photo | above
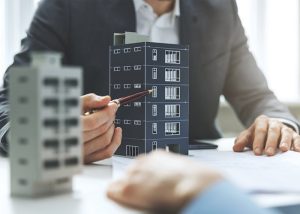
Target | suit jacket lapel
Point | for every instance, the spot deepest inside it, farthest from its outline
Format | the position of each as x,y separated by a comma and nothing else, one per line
121,16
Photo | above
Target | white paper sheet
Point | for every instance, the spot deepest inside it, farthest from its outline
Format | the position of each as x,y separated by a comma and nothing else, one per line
280,173
120,165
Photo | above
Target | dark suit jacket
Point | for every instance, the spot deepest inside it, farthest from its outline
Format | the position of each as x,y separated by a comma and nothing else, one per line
220,61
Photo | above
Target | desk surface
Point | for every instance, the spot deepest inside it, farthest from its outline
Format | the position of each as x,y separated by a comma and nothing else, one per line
89,194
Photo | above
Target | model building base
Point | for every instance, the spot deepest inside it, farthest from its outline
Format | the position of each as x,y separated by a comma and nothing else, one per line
38,189
133,148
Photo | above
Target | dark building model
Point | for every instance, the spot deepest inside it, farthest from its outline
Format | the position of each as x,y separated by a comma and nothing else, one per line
160,120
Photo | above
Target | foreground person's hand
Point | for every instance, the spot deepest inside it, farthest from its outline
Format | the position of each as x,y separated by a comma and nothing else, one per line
162,182
265,135
101,138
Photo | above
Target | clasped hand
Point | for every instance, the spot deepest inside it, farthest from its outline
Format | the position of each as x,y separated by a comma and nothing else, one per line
101,137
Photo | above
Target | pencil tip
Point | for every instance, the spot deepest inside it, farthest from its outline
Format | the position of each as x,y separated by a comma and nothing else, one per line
150,91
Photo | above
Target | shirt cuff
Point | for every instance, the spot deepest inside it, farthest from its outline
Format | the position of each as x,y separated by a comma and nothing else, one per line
223,197
289,123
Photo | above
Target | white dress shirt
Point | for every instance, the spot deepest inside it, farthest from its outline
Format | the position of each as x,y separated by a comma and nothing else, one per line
163,29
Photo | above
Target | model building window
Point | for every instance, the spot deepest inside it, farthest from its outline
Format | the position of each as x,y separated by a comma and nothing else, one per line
127,122
22,182
154,128
137,49
154,73
23,161
117,68
154,54
137,122
154,110
172,57
117,86
154,91
172,93
172,111
117,51
137,67
127,50
127,105
127,86
137,85
137,104
154,145
52,82
127,68
69,142
70,83
23,79
172,75
23,120
51,144
117,121
23,141
132,151
172,128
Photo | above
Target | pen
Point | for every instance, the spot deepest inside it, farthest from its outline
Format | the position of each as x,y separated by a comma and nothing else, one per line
124,100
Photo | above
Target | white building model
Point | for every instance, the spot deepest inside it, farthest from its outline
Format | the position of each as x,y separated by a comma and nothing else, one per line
45,139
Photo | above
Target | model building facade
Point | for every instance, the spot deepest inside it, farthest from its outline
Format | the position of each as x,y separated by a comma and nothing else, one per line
45,134
160,120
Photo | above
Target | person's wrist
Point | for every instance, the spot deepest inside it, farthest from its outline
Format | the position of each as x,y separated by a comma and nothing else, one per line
194,184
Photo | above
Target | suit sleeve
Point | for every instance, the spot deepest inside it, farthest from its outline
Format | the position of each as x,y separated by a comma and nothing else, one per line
224,198
48,32
246,87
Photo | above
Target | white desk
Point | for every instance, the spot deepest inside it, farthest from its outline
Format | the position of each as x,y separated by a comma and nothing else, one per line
89,197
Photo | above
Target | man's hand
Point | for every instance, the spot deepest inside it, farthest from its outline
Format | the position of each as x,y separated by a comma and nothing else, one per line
162,182
101,138
265,135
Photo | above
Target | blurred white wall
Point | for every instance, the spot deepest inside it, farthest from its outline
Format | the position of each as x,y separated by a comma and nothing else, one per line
2,43
273,30
15,19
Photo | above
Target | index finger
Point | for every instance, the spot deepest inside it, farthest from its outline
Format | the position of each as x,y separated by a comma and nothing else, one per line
260,134
99,118
118,192
93,101
129,193
243,140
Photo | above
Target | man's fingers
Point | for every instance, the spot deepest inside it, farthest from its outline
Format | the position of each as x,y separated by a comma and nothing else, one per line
93,101
99,142
243,140
260,134
128,192
123,192
99,118
286,139
109,150
296,142
115,191
274,132
90,135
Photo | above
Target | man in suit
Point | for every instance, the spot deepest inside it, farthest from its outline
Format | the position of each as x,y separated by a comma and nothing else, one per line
220,64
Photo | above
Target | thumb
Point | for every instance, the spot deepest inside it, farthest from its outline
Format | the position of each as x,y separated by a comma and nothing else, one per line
92,101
